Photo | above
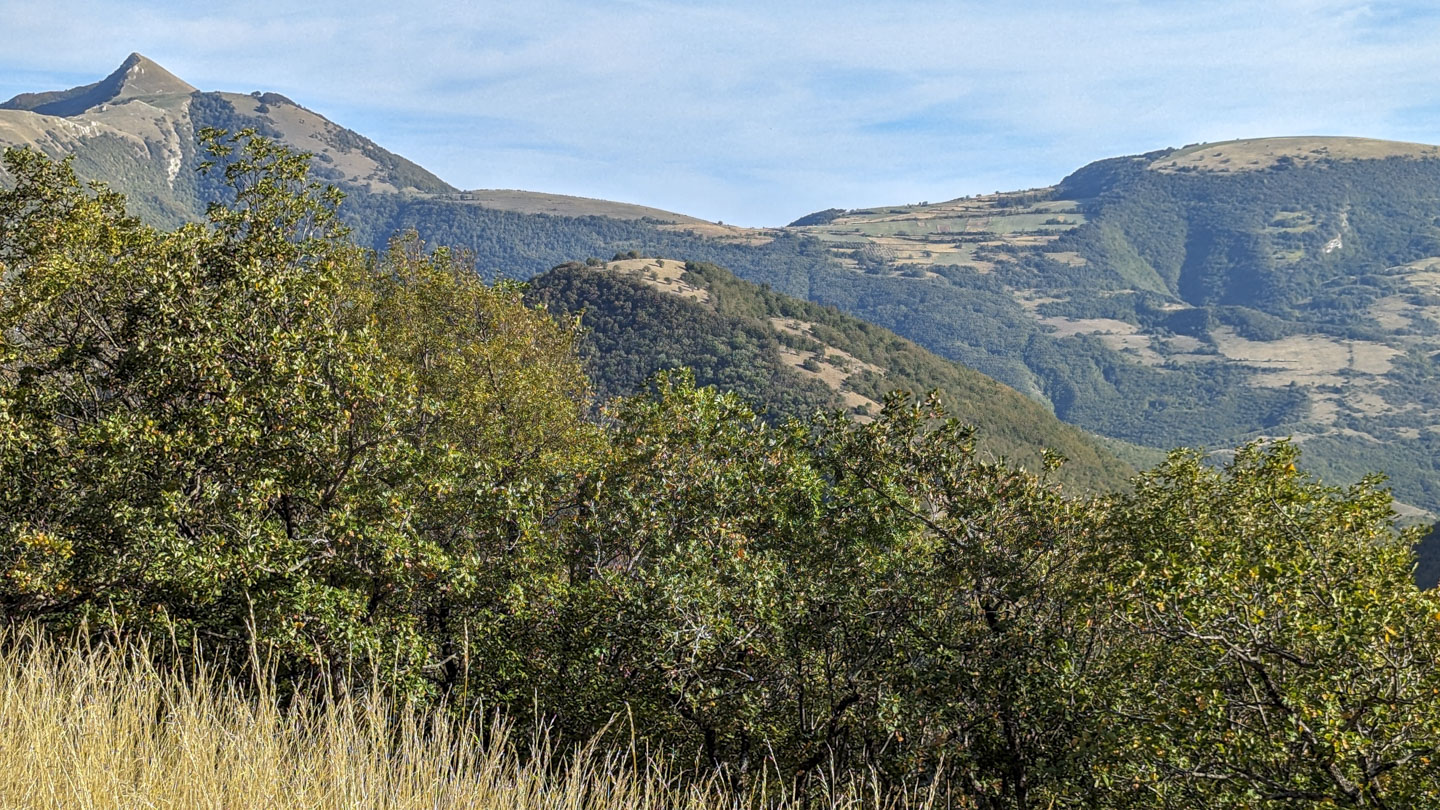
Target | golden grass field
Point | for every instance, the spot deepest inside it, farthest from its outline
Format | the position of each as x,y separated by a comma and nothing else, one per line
98,729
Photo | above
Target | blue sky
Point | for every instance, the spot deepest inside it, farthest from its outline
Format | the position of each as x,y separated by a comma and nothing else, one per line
759,112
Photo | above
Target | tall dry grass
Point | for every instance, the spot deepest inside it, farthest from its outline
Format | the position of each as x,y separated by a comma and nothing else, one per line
101,727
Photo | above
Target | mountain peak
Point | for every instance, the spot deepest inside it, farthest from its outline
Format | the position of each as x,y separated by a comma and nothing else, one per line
141,76
136,77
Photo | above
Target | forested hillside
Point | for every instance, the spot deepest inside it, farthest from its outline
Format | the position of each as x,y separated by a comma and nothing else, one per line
792,357
1198,296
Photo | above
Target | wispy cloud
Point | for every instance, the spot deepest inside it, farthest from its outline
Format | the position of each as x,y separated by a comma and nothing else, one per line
757,112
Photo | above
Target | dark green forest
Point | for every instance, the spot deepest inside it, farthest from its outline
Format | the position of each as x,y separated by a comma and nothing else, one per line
633,331
1222,239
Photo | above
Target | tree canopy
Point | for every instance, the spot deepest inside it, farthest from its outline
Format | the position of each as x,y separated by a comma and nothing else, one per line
255,427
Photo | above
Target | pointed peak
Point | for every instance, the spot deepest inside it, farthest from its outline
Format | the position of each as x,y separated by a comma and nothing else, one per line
141,76
136,77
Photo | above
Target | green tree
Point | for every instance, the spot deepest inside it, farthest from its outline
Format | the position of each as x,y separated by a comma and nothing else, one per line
831,597
993,617
692,562
1281,654
254,423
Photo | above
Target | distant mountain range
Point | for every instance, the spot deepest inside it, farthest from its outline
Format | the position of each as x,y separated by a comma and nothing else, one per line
1203,296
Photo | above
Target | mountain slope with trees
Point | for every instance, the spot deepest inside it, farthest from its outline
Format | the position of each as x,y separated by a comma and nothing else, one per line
1200,296
792,357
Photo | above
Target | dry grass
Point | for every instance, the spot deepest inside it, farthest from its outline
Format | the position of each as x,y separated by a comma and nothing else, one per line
665,275
98,729
1304,359
1260,153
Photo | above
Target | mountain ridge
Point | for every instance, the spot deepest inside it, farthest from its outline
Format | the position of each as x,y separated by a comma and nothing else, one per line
141,117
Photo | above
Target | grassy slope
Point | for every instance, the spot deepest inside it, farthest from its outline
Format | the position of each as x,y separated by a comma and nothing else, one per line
534,202
1252,154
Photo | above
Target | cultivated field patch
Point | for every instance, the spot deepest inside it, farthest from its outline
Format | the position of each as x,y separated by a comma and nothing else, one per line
1304,359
